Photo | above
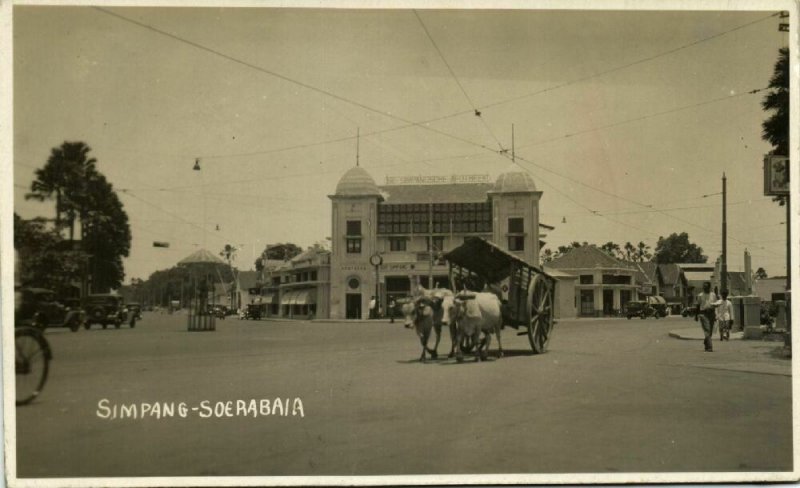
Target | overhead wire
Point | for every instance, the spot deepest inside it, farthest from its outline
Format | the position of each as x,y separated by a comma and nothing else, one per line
424,125
455,78
161,209
286,78
408,124
631,64
644,117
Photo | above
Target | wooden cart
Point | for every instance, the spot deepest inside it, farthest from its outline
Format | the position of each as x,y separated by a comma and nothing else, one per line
480,265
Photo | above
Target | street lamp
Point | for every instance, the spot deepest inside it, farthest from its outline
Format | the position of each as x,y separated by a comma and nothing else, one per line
376,260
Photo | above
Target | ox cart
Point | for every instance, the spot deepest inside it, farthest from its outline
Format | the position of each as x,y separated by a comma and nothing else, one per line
526,292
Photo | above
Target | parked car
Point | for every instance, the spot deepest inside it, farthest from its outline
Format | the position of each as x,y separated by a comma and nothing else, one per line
106,309
659,306
637,309
254,311
689,311
40,307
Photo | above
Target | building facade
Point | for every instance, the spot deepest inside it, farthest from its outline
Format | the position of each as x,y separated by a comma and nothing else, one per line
387,240
298,288
604,284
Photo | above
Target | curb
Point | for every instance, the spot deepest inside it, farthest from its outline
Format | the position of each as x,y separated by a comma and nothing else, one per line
694,335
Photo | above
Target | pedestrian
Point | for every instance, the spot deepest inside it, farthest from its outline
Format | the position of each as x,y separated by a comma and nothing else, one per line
724,316
706,311
392,304
372,304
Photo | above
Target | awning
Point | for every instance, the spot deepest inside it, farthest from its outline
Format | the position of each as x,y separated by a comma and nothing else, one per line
288,298
269,299
299,297
306,297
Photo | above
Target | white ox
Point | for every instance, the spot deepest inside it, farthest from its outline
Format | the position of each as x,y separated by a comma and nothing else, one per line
473,314
427,312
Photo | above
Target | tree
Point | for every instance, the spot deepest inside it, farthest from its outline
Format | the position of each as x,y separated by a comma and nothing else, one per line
63,177
677,249
760,274
775,129
630,249
281,251
776,126
106,234
611,248
45,259
83,193
229,254
547,255
642,252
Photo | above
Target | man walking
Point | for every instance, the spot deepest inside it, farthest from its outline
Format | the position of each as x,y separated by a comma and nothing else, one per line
706,310
372,304
724,316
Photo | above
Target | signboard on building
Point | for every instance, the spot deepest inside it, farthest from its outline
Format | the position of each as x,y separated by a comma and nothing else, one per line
436,180
776,175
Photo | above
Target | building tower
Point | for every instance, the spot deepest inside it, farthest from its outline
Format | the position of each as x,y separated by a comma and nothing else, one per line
515,208
353,241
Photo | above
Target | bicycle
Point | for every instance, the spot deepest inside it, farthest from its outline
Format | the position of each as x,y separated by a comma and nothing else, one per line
31,362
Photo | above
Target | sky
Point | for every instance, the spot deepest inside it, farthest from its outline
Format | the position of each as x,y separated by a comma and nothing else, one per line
624,119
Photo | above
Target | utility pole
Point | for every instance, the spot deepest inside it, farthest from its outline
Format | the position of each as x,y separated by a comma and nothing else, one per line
513,155
724,265
430,246
788,245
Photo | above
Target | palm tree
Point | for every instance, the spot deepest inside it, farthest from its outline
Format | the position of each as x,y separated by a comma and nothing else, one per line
611,248
643,252
629,250
229,254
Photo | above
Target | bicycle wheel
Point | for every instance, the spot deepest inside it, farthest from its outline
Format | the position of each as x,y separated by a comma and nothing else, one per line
32,361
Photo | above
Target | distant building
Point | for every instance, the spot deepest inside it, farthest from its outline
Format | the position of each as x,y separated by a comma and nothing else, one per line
406,226
696,274
770,289
248,290
673,285
298,288
604,283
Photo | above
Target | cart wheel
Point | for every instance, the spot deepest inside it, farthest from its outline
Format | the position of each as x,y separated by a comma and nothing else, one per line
541,312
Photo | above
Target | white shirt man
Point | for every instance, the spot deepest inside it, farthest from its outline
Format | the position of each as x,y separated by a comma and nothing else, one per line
706,311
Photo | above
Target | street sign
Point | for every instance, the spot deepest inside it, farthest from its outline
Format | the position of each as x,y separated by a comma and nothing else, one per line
776,175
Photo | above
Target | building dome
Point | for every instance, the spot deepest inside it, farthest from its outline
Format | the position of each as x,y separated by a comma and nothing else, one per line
514,181
356,182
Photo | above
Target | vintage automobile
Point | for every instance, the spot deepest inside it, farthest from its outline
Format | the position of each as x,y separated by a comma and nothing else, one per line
39,307
659,306
650,307
135,311
254,311
690,311
106,309
637,308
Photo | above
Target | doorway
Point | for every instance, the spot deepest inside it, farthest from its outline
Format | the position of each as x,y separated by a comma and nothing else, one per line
608,302
353,306
587,302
